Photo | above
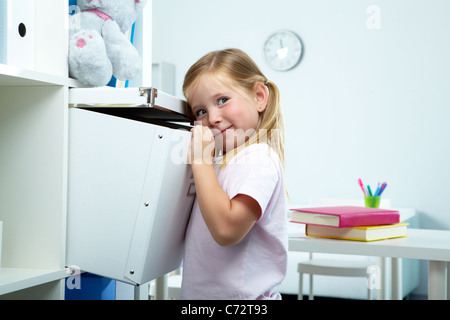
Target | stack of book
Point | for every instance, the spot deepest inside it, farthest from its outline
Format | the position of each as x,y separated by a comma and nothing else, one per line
350,223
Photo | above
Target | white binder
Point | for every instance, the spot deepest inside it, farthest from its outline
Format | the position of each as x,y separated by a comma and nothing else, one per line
17,33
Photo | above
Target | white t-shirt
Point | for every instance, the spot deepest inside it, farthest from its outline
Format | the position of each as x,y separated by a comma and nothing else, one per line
254,267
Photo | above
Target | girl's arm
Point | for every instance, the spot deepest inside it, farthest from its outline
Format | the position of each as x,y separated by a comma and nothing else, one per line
228,220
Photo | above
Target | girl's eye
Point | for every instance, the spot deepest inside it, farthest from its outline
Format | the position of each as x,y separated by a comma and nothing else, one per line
222,100
200,113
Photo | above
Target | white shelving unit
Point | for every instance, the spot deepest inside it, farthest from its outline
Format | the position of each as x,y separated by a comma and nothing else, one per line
33,163
34,157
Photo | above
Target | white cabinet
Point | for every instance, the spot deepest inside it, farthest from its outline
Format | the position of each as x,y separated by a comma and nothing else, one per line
129,197
34,132
128,184
33,162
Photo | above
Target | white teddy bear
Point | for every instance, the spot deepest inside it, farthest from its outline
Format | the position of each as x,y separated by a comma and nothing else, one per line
98,47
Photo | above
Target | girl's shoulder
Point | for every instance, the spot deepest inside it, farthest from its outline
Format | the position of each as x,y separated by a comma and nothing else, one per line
257,148
260,152
261,148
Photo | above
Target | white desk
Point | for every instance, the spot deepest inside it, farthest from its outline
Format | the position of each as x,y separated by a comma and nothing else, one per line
431,245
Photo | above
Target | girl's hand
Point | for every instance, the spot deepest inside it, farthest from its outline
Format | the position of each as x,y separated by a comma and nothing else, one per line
202,145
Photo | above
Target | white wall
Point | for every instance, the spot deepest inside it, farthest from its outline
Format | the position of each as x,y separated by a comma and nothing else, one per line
362,103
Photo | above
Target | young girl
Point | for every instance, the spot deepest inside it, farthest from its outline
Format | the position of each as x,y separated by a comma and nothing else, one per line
236,241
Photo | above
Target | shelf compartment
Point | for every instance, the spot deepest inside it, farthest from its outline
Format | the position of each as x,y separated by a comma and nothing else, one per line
11,76
14,279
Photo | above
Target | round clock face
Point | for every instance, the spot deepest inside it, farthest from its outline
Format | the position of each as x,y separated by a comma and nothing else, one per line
283,50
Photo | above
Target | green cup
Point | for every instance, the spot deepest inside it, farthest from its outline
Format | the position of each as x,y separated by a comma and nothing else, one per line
372,202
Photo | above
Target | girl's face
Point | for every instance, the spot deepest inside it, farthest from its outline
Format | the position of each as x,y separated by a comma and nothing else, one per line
231,113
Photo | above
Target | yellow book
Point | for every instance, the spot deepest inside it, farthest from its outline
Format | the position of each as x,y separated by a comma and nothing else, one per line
367,233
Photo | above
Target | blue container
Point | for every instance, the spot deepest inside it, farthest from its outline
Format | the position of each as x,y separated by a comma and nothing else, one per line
92,287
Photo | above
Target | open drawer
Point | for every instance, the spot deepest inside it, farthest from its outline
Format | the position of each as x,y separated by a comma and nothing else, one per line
130,191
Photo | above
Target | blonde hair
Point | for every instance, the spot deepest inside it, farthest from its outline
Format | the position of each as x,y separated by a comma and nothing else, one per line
236,67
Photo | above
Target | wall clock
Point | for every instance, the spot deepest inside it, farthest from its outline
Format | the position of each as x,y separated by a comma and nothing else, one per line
283,50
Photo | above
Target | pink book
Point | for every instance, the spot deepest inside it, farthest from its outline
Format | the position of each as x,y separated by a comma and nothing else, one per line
345,216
